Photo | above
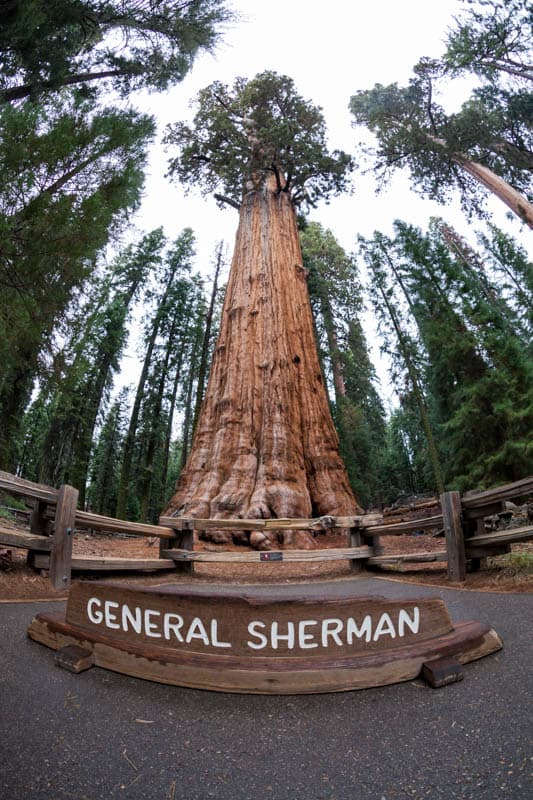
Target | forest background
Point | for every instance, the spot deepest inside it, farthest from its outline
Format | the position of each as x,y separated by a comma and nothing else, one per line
95,276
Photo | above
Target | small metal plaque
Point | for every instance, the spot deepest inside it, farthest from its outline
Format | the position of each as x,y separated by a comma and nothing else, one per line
268,556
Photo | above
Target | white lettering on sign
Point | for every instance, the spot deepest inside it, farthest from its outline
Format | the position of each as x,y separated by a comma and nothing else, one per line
197,631
353,629
214,636
150,625
305,634
95,616
174,623
135,620
263,641
305,640
384,627
330,630
110,616
276,637
412,624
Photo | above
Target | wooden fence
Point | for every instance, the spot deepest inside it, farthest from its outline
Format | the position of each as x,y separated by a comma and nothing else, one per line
55,518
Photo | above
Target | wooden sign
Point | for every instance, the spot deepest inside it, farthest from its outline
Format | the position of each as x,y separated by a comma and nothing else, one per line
268,639
188,620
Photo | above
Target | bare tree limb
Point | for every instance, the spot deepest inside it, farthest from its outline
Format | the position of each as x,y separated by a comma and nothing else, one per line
223,199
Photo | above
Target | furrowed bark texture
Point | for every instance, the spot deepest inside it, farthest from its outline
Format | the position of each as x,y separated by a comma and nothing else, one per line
265,444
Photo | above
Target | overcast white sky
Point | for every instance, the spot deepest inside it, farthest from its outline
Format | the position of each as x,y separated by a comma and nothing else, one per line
331,49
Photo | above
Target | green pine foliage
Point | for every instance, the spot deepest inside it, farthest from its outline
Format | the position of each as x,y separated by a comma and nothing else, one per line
68,180
78,393
492,128
513,273
106,458
394,310
173,328
72,165
336,301
463,340
490,39
49,44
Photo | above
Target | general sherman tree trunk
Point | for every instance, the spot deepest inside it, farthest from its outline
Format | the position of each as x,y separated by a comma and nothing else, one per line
265,444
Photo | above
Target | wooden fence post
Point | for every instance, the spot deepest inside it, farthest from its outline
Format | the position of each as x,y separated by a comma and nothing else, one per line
453,528
356,539
183,540
61,555
38,521
39,525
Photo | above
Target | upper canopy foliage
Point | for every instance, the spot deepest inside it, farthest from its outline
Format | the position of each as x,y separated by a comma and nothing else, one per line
493,37
243,133
46,44
493,128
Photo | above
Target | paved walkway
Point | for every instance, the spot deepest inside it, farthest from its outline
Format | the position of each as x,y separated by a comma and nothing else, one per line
100,735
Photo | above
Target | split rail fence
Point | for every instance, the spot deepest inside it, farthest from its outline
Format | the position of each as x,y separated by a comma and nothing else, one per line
55,518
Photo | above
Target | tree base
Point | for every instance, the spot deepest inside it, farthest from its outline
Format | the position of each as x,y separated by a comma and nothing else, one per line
259,639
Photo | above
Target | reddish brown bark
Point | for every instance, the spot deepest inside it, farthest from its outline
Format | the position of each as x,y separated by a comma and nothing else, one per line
265,445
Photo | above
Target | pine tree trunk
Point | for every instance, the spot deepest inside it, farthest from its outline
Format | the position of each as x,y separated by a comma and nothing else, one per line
129,442
155,431
419,398
171,410
265,444
202,371
188,417
334,352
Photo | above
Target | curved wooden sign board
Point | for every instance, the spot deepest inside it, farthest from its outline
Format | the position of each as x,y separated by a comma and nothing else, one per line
264,640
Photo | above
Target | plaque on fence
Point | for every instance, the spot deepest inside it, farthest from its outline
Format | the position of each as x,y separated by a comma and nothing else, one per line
262,639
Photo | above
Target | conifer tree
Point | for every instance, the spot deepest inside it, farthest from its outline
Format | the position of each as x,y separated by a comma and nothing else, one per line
172,281
68,181
106,458
514,270
47,45
401,343
336,299
476,374
95,353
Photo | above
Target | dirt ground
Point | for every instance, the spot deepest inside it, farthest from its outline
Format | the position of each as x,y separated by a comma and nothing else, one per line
512,573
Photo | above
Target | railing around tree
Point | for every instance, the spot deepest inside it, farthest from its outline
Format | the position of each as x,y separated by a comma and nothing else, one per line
55,518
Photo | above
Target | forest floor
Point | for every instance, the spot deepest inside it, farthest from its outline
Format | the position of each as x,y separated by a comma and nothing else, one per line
509,573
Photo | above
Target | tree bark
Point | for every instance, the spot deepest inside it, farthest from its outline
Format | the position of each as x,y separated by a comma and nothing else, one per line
265,445
513,199
518,204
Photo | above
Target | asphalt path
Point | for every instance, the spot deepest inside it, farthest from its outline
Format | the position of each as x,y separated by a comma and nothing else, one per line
102,735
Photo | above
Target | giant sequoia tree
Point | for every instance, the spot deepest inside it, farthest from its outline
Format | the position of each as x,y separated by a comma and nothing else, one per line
265,445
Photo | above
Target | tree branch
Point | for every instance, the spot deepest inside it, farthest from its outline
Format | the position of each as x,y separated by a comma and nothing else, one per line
18,92
221,198
278,179
430,112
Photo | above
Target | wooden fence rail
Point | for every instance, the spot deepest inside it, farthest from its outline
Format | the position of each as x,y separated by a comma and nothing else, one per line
55,518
